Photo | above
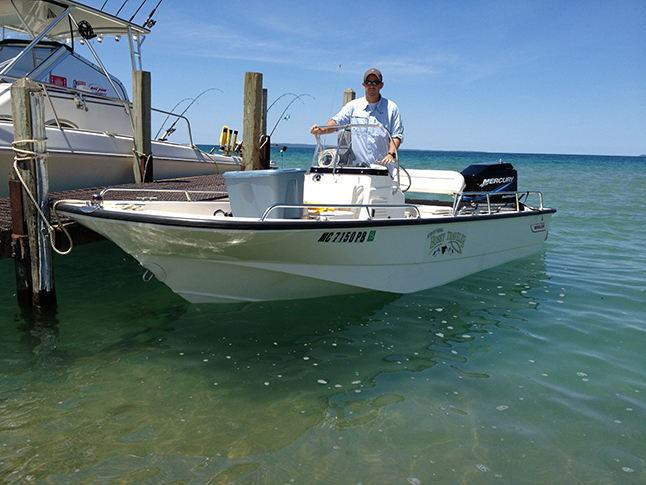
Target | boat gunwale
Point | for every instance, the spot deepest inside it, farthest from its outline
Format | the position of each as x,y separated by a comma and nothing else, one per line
220,223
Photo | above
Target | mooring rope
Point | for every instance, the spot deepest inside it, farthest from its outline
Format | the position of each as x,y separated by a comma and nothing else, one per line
143,157
25,155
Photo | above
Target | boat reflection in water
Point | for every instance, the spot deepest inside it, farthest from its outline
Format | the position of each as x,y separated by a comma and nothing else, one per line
157,387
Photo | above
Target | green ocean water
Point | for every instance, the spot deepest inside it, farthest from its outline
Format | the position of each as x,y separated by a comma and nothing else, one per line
533,372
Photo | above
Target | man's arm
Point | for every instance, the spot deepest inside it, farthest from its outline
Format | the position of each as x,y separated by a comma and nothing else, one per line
394,146
317,130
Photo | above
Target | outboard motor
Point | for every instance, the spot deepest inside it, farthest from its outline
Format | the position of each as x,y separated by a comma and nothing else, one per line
490,177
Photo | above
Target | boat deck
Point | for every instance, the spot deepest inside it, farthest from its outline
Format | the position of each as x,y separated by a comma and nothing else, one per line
84,236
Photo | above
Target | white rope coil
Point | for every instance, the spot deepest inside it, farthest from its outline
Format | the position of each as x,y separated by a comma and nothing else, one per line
23,155
326,157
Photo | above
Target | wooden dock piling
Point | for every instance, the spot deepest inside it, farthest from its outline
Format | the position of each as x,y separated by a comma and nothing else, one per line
252,121
29,197
265,139
265,95
348,95
26,237
141,114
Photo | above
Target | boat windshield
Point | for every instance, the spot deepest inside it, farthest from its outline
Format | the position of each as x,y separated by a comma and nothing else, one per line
63,21
11,48
356,145
56,64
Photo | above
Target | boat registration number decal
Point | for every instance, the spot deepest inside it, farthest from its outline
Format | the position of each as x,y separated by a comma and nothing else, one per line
446,242
347,236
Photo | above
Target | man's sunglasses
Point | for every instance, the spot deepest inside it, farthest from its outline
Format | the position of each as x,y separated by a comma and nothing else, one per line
373,83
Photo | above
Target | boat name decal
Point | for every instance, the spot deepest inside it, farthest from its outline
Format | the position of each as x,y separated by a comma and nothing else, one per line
538,227
499,180
96,89
347,236
445,242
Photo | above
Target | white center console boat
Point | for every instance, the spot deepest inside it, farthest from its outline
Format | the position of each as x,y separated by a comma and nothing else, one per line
345,225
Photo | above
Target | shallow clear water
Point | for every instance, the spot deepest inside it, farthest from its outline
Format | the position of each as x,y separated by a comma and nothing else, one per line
529,373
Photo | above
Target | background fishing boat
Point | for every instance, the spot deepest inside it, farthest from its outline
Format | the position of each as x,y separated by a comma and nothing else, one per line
88,114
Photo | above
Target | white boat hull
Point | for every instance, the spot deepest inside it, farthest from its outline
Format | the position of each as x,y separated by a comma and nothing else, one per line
81,159
302,259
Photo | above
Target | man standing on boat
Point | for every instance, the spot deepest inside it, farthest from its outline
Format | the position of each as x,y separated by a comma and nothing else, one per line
372,109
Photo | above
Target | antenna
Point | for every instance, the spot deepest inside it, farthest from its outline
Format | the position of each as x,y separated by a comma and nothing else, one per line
334,94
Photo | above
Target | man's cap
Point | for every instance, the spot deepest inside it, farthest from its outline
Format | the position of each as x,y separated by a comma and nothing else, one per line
376,72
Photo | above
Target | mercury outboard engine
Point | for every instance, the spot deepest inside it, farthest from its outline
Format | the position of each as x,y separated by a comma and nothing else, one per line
490,177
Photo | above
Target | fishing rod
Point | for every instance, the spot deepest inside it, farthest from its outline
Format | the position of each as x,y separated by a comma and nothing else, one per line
281,96
118,11
148,20
149,23
170,130
285,110
168,115
137,11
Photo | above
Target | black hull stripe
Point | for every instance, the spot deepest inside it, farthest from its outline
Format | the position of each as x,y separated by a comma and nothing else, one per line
273,225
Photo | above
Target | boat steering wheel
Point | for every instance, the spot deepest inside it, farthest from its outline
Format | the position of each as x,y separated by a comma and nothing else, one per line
410,180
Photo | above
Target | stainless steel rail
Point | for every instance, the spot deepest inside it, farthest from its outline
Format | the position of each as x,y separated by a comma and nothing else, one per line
518,198
126,104
333,128
186,192
341,206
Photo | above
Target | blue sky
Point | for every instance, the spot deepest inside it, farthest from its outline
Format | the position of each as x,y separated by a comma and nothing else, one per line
547,76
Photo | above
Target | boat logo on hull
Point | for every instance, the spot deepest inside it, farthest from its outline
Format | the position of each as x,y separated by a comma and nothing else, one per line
93,88
445,242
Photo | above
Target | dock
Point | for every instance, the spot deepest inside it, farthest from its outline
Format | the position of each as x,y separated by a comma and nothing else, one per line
24,235
80,235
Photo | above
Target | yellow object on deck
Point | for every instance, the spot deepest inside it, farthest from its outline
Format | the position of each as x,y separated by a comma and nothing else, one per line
225,139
